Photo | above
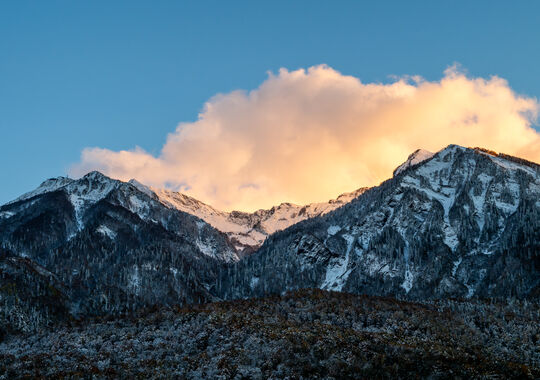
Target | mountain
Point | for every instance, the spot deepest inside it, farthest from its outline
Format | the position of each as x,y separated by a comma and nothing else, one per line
106,247
459,223
248,231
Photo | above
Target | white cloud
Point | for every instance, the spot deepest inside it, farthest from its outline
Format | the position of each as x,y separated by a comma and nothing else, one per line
309,135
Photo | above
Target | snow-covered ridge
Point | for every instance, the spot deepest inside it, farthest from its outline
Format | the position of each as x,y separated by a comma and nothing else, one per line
418,156
510,162
429,174
47,186
92,187
82,193
142,188
248,231
86,192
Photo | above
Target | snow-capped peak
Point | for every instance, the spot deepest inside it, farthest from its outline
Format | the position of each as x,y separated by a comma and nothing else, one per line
92,186
47,186
96,176
414,158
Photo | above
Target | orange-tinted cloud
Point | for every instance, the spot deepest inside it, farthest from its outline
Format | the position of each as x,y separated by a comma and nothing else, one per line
309,135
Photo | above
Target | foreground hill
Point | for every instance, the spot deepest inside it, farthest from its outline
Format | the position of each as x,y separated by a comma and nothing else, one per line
307,334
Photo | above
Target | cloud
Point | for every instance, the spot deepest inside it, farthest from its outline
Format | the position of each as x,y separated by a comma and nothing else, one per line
309,135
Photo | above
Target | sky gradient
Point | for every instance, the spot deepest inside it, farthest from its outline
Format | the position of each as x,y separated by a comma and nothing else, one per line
122,75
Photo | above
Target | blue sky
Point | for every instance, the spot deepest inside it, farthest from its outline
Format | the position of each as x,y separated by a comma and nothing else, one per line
124,74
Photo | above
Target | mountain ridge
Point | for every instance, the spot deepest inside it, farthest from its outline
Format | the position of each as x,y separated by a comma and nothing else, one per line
246,230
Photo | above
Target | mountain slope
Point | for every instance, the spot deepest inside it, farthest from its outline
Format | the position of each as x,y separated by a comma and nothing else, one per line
31,296
462,223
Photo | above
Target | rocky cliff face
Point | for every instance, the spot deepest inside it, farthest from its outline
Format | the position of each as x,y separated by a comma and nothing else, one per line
461,223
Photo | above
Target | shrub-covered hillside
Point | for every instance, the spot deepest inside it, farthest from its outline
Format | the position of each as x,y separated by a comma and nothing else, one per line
305,334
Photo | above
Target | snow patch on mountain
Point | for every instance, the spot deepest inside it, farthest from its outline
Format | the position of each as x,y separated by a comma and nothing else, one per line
332,230
338,270
375,265
206,248
87,191
408,281
138,206
506,196
134,281
480,199
106,231
6,214
78,204
445,196
456,264
509,165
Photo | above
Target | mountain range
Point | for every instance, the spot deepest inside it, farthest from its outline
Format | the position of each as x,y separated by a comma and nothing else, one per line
247,231
463,222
